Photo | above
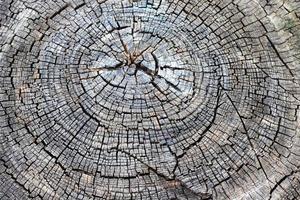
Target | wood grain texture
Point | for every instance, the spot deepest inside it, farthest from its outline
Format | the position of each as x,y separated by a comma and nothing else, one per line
149,99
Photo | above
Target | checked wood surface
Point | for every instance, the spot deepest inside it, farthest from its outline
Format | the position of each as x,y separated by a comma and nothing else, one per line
149,99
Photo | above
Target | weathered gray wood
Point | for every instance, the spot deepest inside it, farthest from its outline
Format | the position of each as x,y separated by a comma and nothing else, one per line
149,99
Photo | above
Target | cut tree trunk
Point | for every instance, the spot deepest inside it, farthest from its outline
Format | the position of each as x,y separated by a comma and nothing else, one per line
149,99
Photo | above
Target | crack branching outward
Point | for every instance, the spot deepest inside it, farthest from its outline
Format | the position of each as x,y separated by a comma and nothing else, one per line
140,99
248,137
215,112
170,182
280,181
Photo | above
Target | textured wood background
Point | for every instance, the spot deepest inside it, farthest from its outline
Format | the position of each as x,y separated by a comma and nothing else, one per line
149,99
